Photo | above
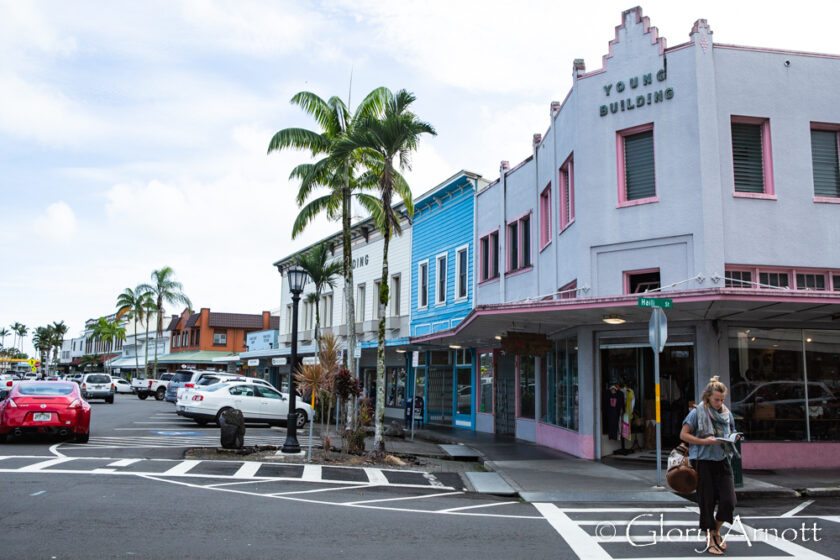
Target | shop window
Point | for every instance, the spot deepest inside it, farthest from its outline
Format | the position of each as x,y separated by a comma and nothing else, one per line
835,282
463,400
751,159
423,274
395,387
527,386
560,401
641,281
463,357
219,338
567,193
636,166
545,216
738,279
824,159
461,274
810,282
485,382
441,358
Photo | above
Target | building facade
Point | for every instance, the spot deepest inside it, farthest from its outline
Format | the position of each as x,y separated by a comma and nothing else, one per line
688,173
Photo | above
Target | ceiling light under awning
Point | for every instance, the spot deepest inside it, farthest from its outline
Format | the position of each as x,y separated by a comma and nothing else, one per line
614,320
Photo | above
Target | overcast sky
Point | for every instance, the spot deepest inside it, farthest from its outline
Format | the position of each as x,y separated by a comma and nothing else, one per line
133,135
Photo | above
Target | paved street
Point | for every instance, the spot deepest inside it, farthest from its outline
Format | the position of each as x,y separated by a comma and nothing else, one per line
130,493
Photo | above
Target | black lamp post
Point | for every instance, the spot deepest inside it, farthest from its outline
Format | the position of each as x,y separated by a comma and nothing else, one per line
296,277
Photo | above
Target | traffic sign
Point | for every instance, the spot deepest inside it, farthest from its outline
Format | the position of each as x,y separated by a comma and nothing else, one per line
657,329
656,302
31,362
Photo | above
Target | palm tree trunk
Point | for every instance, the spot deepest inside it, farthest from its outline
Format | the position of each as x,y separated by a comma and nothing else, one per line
136,355
146,346
158,334
379,434
347,257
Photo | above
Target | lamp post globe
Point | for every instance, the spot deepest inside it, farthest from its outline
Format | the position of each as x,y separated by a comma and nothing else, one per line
296,277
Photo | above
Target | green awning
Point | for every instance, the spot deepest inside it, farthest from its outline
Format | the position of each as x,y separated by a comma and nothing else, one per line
202,357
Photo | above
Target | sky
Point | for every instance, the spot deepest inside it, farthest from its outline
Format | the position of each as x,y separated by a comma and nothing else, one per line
133,135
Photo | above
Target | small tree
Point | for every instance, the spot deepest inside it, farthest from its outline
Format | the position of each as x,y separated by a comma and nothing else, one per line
347,388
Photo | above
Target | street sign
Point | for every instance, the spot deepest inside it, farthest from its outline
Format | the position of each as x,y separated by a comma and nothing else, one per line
415,358
254,362
310,360
657,329
278,361
656,302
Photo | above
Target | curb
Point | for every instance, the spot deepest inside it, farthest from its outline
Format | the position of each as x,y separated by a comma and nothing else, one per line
824,492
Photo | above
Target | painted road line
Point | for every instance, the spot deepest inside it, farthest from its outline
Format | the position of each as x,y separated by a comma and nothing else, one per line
433,481
797,509
402,498
375,476
124,462
181,468
581,543
103,471
247,470
44,464
311,473
333,489
462,508
38,493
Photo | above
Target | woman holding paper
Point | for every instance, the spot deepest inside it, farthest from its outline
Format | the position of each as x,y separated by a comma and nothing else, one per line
708,428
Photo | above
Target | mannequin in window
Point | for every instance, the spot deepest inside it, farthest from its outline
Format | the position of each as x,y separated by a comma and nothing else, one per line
614,406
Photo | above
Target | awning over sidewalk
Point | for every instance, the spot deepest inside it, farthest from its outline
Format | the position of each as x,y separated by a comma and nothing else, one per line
127,362
486,322
201,357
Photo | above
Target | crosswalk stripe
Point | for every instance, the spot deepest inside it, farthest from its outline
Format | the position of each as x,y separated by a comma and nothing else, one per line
311,473
44,464
375,476
182,468
247,470
124,462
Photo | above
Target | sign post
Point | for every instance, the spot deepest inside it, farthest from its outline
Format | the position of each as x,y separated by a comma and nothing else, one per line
657,335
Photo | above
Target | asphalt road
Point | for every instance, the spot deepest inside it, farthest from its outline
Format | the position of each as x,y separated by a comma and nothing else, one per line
130,494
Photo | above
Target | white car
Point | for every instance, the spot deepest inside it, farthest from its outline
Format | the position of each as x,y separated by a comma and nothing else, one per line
257,402
121,385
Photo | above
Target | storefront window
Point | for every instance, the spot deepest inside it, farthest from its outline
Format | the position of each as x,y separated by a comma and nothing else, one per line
441,358
822,361
527,393
485,381
561,393
420,380
395,386
768,383
464,402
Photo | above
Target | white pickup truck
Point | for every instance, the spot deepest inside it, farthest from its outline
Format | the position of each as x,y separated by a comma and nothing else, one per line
143,387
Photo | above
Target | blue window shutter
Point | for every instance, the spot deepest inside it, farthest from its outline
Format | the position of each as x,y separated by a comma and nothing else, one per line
639,166
747,158
825,160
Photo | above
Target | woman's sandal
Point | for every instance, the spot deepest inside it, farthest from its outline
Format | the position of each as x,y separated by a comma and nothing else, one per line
714,546
719,542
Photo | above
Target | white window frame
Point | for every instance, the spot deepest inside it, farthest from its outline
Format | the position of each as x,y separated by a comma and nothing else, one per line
458,271
361,290
394,292
438,257
377,286
420,284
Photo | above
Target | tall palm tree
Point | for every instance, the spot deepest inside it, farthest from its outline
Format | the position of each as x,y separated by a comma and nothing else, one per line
20,330
59,329
396,134
131,302
15,328
148,304
41,340
335,174
164,290
4,332
322,275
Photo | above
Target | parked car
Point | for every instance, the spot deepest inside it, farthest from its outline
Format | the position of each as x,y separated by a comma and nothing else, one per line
121,385
189,378
97,386
257,402
53,407
144,387
77,378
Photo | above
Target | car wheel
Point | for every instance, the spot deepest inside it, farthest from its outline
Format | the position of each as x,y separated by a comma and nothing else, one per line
219,415
160,393
302,418
110,400
82,438
142,396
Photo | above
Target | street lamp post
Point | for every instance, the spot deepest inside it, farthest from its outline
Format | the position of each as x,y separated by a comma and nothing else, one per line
296,277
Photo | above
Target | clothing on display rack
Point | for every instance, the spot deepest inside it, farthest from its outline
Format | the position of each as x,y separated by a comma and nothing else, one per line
614,405
627,415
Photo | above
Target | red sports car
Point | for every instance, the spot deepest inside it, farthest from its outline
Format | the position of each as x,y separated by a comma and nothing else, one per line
46,407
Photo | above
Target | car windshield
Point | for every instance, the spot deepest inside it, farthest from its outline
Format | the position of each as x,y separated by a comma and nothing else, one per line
166,376
181,377
98,379
215,387
45,389
208,380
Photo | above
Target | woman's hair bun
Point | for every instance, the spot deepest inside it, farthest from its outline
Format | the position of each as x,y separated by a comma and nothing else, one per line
714,379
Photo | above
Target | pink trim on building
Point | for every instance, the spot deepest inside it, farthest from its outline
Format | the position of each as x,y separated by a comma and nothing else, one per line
545,217
775,51
566,182
573,443
647,28
826,200
629,273
766,158
790,455
620,169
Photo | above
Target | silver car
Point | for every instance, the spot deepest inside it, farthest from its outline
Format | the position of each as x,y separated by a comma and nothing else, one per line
97,386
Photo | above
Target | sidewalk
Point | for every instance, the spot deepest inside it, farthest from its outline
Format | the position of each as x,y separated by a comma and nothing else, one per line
537,473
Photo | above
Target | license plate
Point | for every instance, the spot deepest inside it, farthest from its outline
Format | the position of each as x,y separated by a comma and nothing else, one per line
42,417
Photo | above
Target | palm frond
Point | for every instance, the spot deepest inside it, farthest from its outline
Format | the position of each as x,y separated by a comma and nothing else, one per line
329,204
298,138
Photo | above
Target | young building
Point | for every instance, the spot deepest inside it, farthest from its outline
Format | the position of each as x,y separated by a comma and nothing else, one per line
703,173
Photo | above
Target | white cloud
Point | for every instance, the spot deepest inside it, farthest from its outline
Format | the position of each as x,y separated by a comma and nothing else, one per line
57,224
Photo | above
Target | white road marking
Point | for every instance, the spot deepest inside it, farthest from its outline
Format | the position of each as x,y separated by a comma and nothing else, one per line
38,493
462,508
834,518
797,509
124,462
44,464
402,498
247,470
315,490
181,468
103,471
581,543
311,473
54,450
375,476
179,423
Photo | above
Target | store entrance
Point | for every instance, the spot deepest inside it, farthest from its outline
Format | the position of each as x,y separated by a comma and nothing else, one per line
627,378
505,413
440,395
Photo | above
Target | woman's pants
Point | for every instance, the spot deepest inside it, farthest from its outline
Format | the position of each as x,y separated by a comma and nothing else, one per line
715,485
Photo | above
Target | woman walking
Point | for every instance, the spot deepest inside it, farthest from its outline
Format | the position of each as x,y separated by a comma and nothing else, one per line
710,420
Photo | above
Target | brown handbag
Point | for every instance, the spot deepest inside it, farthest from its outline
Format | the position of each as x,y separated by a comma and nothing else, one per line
681,477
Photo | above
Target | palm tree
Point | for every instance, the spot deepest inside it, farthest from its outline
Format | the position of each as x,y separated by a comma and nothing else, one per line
321,274
148,304
164,290
15,328
395,134
131,302
109,333
42,340
335,174
21,331
59,329
4,332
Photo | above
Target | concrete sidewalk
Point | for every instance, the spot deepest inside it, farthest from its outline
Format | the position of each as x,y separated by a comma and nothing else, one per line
537,473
